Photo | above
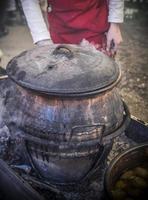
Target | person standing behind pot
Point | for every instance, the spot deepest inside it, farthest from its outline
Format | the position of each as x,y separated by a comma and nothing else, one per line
71,21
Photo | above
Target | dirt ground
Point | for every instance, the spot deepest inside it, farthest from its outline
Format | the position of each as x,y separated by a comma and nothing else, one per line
132,57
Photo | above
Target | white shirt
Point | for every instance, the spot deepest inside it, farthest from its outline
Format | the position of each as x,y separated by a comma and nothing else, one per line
37,25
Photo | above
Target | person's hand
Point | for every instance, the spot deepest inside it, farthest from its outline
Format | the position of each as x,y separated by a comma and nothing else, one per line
44,42
114,38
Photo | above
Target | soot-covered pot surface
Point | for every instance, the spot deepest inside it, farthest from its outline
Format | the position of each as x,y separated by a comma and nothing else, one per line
66,103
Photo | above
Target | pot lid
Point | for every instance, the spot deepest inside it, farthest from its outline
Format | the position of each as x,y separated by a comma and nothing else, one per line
62,70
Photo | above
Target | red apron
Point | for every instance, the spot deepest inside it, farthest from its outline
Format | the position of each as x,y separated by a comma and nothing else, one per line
73,20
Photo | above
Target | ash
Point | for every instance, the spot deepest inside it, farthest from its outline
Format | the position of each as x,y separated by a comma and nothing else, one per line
11,141
4,141
120,144
95,191
9,149
12,150
4,131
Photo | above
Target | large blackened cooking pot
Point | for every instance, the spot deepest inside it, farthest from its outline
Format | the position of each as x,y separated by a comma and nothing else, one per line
65,103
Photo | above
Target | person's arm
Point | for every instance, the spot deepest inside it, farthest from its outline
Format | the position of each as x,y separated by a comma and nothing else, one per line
35,20
116,17
116,8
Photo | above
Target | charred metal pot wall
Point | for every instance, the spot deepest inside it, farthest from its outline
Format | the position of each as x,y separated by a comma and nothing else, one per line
65,103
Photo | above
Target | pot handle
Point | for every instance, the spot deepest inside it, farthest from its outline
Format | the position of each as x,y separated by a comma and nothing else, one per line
63,50
95,126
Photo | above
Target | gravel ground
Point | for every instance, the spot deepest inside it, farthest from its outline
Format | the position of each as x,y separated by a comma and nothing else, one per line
133,59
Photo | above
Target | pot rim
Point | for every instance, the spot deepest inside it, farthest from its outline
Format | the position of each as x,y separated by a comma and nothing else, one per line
53,93
114,162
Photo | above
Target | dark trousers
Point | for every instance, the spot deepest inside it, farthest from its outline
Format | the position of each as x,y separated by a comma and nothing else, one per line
3,6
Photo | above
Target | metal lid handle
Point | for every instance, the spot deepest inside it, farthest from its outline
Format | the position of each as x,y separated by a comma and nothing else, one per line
63,50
